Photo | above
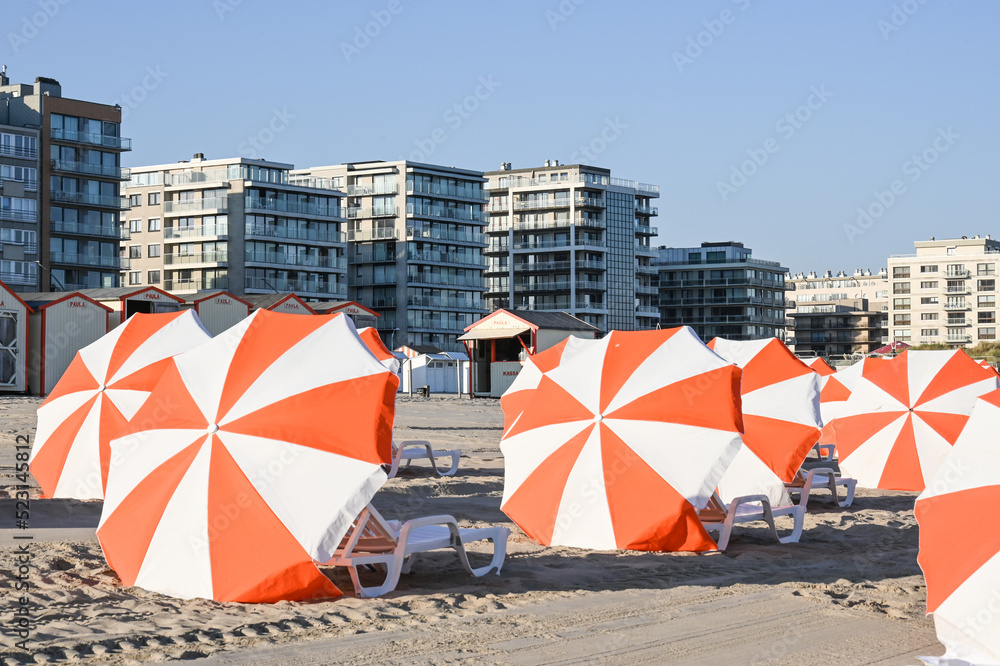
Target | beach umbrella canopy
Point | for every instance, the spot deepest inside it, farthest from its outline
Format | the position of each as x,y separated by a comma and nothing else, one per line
959,552
780,395
836,390
822,368
904,414
989,366
101,390
373,341
614,443
267,443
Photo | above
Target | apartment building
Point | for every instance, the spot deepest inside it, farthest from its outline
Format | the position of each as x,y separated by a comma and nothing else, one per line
720,290
247,226
415,247
837,315
60,179
945,292
572,238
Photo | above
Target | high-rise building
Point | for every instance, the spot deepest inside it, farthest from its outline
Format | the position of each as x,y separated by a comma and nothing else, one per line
837,315
571,238
946,292
720,290
246,226
60,203
415,247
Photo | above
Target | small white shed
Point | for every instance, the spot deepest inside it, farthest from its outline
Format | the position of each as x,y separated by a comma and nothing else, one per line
440,371
14,314
62,324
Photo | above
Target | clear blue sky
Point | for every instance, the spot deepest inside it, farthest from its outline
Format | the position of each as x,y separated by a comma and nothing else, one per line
557,77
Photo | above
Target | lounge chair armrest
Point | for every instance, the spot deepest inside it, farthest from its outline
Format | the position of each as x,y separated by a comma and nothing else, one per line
750,499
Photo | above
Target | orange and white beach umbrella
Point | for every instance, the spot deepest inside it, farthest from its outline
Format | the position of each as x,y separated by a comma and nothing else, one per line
373,341
836,390
959,549
904,414
251,458
989,366
780,415
615,442
821,367
101,390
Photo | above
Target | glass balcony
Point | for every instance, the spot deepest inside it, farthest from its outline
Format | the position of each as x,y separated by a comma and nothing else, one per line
19,279
192,178
83,199
451,258
331,262
315,183
210,205
333,290
200,284
196,258
18,215
444,212
88,260
291,233
372,234
118,173
8,150
646,230
589,202
331,209
469,236
447,190
186,233
118,142
372,189
379,211
542,203
103,231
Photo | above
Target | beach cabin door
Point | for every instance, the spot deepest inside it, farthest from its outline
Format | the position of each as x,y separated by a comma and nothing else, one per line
8,349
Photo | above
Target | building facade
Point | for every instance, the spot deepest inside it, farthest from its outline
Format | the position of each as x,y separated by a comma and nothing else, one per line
415,247
720,290
246,226
837,315
946,292
570,238
60,199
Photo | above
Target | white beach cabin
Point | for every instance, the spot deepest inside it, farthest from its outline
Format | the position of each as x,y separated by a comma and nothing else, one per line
13,341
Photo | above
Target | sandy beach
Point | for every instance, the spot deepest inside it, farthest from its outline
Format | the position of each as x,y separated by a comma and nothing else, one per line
850,592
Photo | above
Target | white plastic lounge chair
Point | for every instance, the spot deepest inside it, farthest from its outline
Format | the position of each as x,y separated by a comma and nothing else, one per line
374,541
717,517
825,451
418,449
825,478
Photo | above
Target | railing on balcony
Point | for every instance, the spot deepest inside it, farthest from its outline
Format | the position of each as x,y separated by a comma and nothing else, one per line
189,178
462,214
200,231
647,210
438,302
77,229
196,258
373,189
118,173
646,230
372,234
331,209
82,198
197,285
438,279
77,259
291,233
330,261
315,182
590,202
20,279
956,322
957,273
8,150
446,190
470,236
452,258
95,139
196,205
562,202
334,289
377,211
18,215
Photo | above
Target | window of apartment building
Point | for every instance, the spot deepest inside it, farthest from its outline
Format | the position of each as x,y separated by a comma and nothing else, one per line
900,271
955,270
154,224
135,277
135,226
929,300
153,277
928,332
135,200
985,269
135,252
930,284
902,334
901,319
989,301
987,317
928,316
951,250
154,198
901,304
901,288
153,250
988,333
929,268
986,285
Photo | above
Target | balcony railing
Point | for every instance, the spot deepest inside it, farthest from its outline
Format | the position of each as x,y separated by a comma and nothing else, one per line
378,211
334,289
197,285
18,278
331,209
444,212
200,231
196,258
451,258
542,203
104,231
117,173
445,190
372,190
955,305
469,236
84,199
8,150
956,322
646,230
957,273
213,204
315,183
438,279
647,210
589,202
316,235
372,234
77,259
189,178
438,302
29,184
94,139
18,215
332,262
